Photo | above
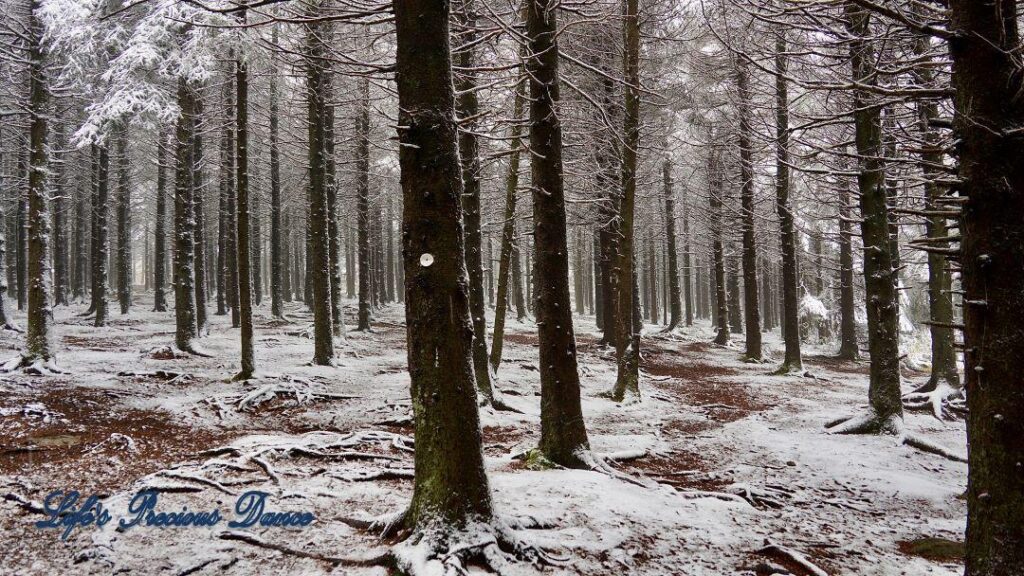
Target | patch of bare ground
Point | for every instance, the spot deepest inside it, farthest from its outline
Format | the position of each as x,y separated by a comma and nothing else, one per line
97,343
87,441
499,440
682,469
835,364
697,384
767,561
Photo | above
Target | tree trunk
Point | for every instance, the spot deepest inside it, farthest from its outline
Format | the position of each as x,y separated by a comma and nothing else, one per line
467,108
186,328
276,257
627,345
792,361
100,237
60,227
38,347
883,335
319,249
160,233
986,75
563,433
849,349
508,229
675,304
721,305
124,223
248,359
450,489
363,202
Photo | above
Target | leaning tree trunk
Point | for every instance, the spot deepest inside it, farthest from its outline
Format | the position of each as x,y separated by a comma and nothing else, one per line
186,328
467,107
627,342
450,489
363,202
319,250
248,353
989,112
508,229
792,362
884,395
563,436
38,347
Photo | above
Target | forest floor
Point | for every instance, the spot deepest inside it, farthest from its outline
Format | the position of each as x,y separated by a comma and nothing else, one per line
736,458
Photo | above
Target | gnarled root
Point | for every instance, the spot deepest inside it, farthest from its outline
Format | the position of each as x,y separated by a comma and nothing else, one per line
872,424
32,366
944,401
442,549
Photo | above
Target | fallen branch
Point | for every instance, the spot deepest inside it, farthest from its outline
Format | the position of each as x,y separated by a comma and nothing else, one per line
378,560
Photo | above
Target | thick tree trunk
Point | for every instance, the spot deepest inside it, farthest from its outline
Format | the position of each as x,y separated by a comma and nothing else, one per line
319,249
883,334
450,489
792,361
627,345
363,202
186,328
39,317
563,433
248,354
986,75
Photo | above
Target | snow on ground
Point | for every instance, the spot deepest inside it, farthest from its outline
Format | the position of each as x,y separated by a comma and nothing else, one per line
736,458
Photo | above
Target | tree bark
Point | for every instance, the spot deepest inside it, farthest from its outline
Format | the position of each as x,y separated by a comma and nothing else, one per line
721,305
186,328
450,489
276,249
986,75
363,203
160,232
792,361
248,354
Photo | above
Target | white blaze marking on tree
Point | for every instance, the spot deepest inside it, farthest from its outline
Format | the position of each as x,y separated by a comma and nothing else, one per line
426,259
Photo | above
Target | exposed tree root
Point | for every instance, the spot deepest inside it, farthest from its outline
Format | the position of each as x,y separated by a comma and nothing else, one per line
872,424
442,549
381,559
31,366
300,391
769,496
11,326
793,556
944,401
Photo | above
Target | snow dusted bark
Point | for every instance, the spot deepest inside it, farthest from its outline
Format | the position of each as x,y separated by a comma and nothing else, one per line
186,328
627,345
508,228
884,394
333,224
687,264
101,237
674,304
38,346
563,433
467,108
792,361
450,490
248,359
319,249
124,224
198,192
160,234
989,113
277,264
751,312
363,202
60,224
720,303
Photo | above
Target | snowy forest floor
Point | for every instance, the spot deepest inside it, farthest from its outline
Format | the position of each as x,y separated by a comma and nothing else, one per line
735,458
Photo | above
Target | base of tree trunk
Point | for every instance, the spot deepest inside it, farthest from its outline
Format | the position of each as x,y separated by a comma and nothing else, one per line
440,548
872,424
31,365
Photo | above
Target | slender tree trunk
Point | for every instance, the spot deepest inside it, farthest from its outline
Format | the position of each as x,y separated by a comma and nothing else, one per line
363,203
563,433
286,254
687,265
228,176
849,349
101,243
333,225
124,223
986,75
439,328
627,344
276,256
319,227
186,328
248,360
60,226
160,233
467,107
508,229
792,361
674,304
198,187
721,305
